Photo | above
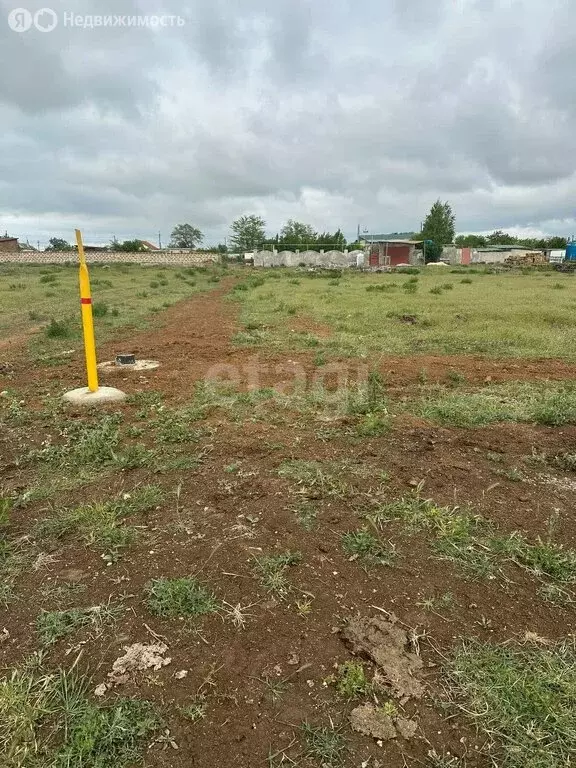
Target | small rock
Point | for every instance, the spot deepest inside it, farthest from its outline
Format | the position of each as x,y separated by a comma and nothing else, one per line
181,674
101,689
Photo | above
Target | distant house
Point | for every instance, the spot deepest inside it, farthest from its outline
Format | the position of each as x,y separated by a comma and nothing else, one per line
9,244
392,250
27,248
149,246
94,248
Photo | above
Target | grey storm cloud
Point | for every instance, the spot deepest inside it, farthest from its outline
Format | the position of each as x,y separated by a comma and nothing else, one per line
335,113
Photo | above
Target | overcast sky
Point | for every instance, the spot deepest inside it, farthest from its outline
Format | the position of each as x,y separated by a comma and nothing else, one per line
333,112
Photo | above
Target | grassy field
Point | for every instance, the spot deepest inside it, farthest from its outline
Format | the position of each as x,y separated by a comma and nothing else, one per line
436,311
46,299
181,575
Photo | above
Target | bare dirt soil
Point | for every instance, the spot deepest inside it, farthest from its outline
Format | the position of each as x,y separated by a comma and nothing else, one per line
261,681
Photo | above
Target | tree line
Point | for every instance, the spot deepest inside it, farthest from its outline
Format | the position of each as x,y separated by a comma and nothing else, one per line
248,233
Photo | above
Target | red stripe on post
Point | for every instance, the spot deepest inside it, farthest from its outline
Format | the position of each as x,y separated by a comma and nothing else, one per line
85,301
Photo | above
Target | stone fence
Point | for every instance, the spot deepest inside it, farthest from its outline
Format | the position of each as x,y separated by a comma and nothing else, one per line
155,258
307,258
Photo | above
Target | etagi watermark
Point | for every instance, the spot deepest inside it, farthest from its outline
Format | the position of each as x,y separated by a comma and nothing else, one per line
46,20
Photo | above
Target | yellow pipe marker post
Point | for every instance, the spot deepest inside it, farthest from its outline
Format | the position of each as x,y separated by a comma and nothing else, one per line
87,319
92,394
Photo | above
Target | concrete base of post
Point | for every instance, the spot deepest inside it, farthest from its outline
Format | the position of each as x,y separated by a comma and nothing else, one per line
103,395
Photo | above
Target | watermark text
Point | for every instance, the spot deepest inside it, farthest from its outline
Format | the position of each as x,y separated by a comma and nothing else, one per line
47,19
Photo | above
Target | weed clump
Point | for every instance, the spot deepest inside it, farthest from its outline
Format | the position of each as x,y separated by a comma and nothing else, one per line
100,309
272,571
58,329
363,545
184,596
351,681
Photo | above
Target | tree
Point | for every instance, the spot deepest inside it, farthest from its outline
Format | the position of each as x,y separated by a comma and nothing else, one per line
129,246
439,224
296,234
248,233
501,238
556,242
432,251
470,241
58,244
185,236
337,241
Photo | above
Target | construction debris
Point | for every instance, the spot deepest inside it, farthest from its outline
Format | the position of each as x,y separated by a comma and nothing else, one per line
138,657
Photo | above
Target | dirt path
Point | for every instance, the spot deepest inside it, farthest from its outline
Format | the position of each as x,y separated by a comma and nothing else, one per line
193,340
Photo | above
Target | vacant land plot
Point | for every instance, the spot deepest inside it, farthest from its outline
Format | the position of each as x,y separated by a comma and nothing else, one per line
437,311
34,298
334,528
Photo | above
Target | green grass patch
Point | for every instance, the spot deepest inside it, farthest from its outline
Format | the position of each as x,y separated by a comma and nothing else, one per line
85,444
59,329
549,403
324,744
272,571
49,720
101,523
522,698
53,625
100,309
474,543
195,710
306,514
13,556
185,596
364,546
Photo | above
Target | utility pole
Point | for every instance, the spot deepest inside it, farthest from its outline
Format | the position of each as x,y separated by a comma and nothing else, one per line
160,240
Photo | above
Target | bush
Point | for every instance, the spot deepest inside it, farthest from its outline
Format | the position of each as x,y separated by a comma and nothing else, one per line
99,309
384,287
58,329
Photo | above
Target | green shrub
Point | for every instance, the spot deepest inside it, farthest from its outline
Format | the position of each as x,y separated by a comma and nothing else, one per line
58,329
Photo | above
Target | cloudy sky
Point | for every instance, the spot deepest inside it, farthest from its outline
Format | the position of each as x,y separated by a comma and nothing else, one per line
334,112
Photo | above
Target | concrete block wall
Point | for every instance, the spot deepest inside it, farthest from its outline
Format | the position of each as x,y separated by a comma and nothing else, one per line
155,258
308,258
